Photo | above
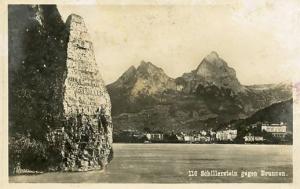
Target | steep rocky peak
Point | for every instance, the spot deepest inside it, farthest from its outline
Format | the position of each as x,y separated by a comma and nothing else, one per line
148,67
129,73
146,78
213,62
213,70
148,70
130,70
213,56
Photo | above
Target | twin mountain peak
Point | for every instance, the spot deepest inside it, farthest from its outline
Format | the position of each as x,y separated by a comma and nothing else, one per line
150,79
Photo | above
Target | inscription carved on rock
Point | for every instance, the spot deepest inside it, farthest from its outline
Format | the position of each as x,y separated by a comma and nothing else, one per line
87,108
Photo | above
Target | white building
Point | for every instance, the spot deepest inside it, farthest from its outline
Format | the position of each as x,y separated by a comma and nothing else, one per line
155,136
277,130
251,138
226,135
189,138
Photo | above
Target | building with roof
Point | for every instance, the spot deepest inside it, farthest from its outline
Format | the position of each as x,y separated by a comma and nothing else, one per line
277,130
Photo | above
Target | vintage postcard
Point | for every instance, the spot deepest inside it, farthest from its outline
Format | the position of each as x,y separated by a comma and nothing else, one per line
151,92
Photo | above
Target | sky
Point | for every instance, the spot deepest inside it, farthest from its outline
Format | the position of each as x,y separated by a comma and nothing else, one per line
259,39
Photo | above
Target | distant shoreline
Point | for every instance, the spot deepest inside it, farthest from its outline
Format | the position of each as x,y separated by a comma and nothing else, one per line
204,143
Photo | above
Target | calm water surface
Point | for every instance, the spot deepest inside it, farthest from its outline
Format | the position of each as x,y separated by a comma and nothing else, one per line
171,163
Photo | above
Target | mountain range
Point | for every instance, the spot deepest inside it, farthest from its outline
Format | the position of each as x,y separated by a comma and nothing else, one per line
211,94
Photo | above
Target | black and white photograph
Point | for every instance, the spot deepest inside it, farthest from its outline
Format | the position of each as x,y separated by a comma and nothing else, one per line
158,92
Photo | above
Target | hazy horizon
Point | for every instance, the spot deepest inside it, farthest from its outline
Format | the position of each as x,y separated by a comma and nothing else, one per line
254,39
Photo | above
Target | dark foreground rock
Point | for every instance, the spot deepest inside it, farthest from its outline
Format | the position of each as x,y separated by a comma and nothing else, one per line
59,109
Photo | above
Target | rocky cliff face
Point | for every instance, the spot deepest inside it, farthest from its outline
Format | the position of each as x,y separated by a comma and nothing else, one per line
57,95
140,87
212,71
147,79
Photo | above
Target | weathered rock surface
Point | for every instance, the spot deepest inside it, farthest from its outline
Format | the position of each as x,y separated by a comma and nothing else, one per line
146,79
86,102
139,87
37,62
213,71
57,95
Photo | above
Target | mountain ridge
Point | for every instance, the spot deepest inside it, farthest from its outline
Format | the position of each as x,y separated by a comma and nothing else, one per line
204,74
211,91
145,79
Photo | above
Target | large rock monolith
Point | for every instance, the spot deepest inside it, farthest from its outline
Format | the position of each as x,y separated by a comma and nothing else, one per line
86,103
58,103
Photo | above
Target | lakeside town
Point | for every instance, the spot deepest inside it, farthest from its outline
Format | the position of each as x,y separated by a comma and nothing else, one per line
258,133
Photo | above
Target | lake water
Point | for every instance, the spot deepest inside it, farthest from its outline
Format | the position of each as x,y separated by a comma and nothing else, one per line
182,163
